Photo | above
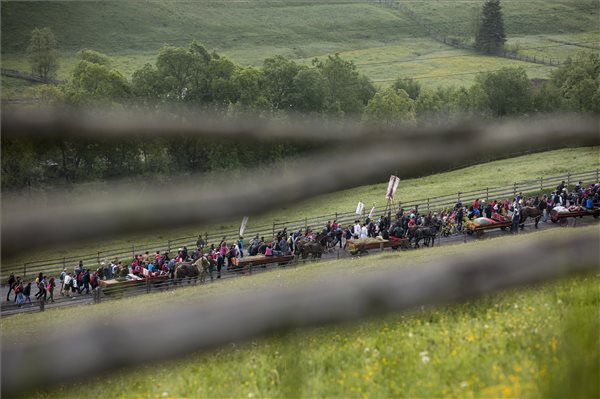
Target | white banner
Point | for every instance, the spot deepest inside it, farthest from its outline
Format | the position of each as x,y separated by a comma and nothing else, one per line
359,208
392,187
243,226
371,213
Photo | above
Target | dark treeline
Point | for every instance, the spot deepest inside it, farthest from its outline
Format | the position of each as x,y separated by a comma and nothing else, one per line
209,82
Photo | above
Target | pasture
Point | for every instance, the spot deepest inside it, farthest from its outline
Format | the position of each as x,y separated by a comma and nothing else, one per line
528,342
385,43
497,173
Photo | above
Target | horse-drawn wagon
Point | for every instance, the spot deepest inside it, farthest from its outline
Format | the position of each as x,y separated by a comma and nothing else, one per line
480,225
248,262
131,282
561,213
361,245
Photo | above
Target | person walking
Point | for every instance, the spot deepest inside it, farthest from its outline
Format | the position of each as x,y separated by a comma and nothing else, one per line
543,206
516,217
11,285
62,281
27,293
50,287
41,295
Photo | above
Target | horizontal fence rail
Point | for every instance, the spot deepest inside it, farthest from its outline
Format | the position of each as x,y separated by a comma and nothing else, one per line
216,322
431,204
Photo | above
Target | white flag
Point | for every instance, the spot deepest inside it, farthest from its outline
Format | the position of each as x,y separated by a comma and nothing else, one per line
371,213
359,208
243,226
392,187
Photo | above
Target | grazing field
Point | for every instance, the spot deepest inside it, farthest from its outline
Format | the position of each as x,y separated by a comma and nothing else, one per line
248,32
498,173
529,342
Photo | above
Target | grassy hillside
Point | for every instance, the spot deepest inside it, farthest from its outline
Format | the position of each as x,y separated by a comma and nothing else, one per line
490,174
528,342
248,32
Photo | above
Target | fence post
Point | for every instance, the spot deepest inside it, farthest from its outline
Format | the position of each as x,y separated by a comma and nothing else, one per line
206,237
273,229
428,205
541,184
515,190
99,252
487,194
24,270
133,252
64,262
458,196
336,216
597,175
305,224
568,179
42,304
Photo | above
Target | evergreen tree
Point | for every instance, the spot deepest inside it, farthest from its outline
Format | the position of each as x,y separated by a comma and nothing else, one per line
490,36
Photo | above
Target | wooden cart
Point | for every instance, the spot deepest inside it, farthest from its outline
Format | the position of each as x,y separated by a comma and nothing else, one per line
562,217
121,284
245,264
480,229
358,246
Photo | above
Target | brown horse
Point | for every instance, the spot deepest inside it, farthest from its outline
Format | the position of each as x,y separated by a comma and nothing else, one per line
530,212
310,248
187,269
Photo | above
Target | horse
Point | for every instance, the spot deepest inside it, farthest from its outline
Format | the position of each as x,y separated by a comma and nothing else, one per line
189,270
310,248
325,239
418,233
531,212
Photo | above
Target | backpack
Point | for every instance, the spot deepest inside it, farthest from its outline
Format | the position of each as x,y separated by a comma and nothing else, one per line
17,289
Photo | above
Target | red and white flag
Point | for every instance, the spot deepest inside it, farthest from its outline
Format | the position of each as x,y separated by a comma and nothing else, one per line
392,187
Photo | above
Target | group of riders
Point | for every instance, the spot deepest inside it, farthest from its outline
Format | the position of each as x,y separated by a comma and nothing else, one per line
408,226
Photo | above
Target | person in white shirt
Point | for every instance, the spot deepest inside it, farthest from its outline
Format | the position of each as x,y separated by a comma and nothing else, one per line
364,232
66,288
357,229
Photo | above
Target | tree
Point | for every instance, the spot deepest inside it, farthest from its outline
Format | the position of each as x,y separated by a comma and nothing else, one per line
43,57
508,91
490,36
412,87
346,91
390,108
578,81
94,57
309,92
93,82
279,75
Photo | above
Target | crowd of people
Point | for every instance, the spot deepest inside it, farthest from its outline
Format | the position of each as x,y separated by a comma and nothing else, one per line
227,255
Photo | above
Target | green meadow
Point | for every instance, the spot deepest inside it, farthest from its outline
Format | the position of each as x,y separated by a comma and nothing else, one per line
382,41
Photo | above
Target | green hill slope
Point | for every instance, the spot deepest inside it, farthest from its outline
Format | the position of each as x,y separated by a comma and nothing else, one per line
383,40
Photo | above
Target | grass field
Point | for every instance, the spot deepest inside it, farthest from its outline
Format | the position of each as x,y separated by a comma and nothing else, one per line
132,32
529,342
498,173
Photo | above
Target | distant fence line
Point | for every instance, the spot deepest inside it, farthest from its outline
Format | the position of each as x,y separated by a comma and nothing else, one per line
13,73
429,204
461,45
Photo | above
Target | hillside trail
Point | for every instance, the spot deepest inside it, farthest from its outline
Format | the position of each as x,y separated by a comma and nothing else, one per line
9,308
